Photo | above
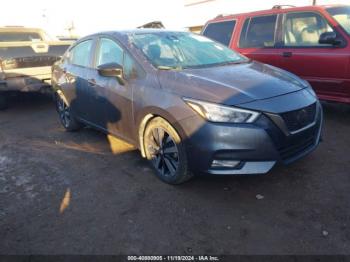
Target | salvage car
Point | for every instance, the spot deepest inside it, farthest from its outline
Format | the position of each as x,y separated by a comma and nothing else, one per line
26,57
189,104
312,42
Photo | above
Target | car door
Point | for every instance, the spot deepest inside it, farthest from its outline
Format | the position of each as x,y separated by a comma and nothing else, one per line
114,98
323,65
258,38
76,87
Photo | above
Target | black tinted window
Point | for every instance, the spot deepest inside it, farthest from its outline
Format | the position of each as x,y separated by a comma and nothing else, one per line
258,32
80,54
19,37
220,31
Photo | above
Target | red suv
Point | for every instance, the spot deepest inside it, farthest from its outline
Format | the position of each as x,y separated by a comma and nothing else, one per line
312,42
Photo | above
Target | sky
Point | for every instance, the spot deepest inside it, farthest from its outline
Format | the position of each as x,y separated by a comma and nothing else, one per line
93,16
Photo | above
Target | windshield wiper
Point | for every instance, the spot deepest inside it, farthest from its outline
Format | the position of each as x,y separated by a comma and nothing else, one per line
220,64
233,62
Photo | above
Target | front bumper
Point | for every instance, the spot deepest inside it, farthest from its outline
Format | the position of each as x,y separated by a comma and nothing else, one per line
257,147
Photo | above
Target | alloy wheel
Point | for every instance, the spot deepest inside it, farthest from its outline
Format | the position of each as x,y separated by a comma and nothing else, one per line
163,151
63,111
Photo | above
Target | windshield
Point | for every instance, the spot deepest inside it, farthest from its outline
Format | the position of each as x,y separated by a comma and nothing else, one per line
177,50
342,16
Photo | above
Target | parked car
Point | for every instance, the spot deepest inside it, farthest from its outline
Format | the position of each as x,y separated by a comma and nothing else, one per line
312,42
26,57
188,103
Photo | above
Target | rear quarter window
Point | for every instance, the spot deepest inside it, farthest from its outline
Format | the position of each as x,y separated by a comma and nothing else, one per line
220,31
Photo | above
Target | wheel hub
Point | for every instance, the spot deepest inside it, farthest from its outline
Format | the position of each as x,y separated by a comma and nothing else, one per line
163,151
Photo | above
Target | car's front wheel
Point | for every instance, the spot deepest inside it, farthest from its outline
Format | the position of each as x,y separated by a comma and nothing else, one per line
69,122
165,150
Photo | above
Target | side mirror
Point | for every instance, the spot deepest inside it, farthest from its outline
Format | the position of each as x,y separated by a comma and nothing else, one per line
112,70
329,38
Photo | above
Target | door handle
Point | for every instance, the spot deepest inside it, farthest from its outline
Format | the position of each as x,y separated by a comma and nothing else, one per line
92,82
287,54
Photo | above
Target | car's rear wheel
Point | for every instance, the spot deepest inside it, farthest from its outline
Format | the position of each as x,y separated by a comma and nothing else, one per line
3,102
165,150
69,122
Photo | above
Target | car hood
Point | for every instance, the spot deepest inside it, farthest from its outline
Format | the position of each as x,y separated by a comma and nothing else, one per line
231,84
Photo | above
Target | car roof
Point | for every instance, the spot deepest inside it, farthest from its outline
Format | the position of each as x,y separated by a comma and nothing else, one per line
122,35
273,11
136,31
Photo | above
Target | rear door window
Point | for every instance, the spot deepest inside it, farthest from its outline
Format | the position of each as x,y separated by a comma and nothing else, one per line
220,31
258,32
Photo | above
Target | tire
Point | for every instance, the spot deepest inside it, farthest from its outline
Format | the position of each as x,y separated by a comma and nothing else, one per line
166,152
68,121
3,102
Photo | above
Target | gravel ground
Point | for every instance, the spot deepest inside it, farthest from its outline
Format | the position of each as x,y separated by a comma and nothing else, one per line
87,193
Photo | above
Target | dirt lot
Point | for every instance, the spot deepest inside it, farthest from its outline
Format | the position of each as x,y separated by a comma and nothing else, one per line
85,193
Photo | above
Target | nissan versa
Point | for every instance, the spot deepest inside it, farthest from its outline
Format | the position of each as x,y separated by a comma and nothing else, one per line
188,103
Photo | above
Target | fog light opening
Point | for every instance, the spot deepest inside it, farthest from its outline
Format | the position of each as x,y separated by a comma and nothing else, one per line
225,164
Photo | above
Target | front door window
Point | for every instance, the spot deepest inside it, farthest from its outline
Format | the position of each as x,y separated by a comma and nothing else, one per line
304,29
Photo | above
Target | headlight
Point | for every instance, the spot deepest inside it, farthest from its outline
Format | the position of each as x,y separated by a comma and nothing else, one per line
219,113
